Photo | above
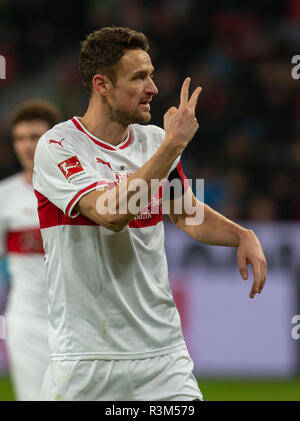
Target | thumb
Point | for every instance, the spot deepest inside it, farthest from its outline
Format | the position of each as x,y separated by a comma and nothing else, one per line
171,111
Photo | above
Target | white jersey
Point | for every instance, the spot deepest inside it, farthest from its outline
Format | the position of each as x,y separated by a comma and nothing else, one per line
109,293
26,309
21,242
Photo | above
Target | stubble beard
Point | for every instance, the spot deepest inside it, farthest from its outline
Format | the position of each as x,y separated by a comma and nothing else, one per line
126,118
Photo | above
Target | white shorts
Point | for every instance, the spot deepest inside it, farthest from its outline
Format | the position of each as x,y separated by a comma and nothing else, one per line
163,378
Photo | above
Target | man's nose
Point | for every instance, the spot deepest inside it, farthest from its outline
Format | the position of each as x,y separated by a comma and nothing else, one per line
151,87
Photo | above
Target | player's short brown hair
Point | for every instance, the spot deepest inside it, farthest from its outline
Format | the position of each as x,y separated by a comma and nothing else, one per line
36,109
103,49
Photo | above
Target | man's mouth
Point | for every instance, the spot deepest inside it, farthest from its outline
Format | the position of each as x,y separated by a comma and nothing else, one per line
145,104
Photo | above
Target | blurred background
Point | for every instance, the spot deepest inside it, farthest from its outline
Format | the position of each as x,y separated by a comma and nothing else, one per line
247,150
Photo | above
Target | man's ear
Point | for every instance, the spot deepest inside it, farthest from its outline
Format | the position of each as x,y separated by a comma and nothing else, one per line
101,84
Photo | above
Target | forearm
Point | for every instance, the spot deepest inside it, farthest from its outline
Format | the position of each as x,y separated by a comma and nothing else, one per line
215,229
156,168
112,208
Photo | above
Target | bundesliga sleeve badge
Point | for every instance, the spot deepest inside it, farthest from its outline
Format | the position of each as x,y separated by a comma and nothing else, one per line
70,167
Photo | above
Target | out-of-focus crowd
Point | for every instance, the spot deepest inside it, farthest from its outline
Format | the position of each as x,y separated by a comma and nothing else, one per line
247,148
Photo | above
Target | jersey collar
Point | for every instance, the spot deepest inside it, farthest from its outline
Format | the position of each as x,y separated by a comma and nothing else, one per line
76,121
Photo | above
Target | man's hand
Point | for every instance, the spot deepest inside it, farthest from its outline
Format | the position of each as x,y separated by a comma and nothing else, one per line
250,251
180,123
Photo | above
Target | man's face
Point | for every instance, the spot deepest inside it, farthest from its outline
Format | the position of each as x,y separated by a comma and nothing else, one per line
25,137
130,96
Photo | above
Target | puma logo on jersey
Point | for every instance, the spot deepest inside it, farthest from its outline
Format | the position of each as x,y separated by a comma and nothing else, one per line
70,166
104,163
57,141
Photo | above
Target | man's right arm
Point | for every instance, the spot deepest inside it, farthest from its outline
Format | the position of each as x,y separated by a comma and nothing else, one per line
117,198
104,207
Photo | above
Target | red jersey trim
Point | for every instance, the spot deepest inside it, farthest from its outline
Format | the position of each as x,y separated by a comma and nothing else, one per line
82,192
51,216
79,126
182,175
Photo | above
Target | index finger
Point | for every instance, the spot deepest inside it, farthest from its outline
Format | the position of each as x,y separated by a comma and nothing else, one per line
184,94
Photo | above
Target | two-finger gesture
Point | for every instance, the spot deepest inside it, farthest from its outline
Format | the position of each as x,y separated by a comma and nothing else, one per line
184,96
180,123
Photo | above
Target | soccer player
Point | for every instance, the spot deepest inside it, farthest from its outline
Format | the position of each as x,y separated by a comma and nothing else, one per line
20,241
115,332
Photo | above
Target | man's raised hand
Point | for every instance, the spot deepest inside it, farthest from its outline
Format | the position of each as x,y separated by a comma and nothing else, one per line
180,123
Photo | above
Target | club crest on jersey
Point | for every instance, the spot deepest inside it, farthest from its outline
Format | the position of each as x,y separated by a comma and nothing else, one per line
57,141
70,166
122,175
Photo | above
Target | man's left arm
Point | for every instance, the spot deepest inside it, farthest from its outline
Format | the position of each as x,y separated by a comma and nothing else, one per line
215,229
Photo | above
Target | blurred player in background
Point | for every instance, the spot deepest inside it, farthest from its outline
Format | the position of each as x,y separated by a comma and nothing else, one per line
20,241
115,332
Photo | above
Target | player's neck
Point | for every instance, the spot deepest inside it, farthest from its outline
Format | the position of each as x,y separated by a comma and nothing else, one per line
28,176
99,123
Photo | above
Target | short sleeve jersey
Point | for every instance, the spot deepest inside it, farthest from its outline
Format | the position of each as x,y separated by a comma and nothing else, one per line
109,293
